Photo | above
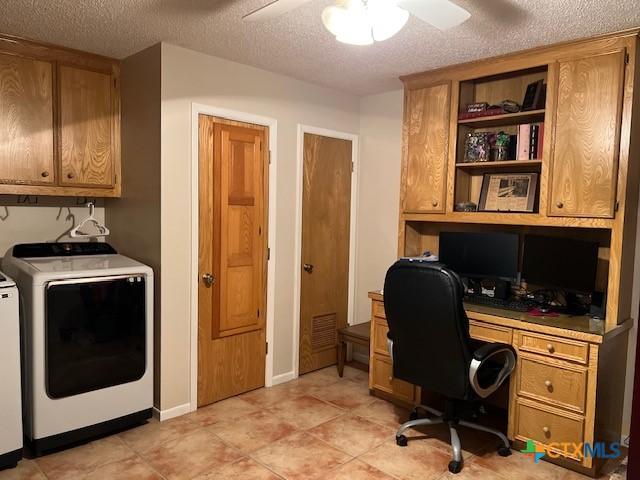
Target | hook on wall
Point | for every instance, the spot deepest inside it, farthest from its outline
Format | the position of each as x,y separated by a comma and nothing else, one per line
6,213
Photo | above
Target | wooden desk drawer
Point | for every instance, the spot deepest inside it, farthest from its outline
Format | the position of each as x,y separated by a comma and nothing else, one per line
378,309
382,378
547,425
489,333
563,348
380,330
562,385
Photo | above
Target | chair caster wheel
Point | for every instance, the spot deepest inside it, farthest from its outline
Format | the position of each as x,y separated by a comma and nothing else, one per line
455,466
504,451
413,415
401,441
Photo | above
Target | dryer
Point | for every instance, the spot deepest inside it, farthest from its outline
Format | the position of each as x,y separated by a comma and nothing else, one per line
10,400
88,349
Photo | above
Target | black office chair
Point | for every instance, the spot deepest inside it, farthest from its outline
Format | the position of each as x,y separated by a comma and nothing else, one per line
430,346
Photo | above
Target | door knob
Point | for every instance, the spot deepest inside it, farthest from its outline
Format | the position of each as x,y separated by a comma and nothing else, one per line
208,279
307,267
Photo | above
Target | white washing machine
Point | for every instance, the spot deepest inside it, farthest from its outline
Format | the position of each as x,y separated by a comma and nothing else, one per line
88,340
10,398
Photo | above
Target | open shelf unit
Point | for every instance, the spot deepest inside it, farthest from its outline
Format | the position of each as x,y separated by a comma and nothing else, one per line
468,176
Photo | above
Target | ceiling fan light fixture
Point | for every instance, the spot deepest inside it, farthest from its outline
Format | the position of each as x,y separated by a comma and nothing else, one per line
386,18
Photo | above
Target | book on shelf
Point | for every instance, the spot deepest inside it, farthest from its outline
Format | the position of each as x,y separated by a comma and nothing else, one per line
528,143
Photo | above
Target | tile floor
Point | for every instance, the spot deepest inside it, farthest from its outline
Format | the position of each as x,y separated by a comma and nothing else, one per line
319,426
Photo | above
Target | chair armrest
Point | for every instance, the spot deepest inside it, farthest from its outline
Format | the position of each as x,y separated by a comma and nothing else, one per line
484,353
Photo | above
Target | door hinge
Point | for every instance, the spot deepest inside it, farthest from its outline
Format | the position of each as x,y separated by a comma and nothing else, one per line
269,157
258,313
268,253
626,58
617,206
266,348
353,166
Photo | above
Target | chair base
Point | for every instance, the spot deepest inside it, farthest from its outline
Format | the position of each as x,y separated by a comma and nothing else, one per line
455,466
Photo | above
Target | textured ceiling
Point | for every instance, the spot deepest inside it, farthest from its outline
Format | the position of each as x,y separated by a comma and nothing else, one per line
297,44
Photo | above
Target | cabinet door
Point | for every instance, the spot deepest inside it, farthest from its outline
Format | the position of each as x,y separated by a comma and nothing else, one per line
26,121
86,123
586,136
427,137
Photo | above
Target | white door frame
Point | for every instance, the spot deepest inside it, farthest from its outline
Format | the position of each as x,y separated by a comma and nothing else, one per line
272,123
297,264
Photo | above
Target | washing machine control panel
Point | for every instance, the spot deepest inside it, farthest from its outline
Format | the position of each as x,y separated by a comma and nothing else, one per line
66,249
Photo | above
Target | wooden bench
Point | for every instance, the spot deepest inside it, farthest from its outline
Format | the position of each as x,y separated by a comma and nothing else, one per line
358,334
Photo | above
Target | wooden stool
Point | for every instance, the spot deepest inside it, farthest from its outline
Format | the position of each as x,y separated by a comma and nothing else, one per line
359,334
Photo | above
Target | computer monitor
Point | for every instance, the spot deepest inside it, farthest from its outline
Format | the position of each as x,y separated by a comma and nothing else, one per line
562,263
480,254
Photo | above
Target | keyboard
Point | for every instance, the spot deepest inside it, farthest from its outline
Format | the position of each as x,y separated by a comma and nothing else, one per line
517,305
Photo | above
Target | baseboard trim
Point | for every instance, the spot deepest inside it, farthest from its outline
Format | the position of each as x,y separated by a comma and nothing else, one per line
170,413
360,357
283,378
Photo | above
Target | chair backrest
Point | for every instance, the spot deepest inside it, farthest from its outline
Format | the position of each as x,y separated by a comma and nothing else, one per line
428,326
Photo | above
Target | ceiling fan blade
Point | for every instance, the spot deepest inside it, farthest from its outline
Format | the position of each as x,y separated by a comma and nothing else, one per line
273,10
442,14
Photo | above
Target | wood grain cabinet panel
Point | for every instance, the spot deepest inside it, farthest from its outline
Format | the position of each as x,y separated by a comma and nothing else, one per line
382,376
26,121
586,136
427,136
86,121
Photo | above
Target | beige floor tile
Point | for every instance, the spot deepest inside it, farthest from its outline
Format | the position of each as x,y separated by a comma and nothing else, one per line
243,469
473,471
301,456
252,431
80,461
383,412
438,436
229,409
26,470
356,470
305,412
155,433
268,396
191,455
351,434
345,394
132,468
356,375
417,461
524,465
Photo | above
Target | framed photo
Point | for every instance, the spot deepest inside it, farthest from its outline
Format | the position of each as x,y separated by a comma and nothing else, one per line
508,192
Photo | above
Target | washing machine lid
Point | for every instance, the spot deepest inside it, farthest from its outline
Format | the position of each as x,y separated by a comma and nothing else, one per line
6,282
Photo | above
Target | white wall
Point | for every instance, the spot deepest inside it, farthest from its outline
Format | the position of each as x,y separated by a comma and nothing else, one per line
187,77
30,224
379,193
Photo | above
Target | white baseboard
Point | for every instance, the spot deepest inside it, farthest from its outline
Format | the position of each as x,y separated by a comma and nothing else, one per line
283,378
169,413
361,357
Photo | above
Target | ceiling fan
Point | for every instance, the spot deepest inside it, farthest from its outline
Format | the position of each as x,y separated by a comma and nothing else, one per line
360,22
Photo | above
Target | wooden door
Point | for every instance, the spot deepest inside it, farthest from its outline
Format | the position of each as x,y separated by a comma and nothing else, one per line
233,254
324,288
424,176
584,164
86,123
26,121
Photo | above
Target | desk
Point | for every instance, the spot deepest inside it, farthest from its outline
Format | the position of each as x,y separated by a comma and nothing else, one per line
568,385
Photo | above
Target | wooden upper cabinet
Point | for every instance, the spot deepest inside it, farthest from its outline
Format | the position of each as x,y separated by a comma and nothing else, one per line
426,134
86,123
26,121
59,121
584,163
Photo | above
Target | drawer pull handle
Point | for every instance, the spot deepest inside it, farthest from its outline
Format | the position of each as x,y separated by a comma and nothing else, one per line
45,174
391,379
546,430
559,204
434,203
550,348
548,384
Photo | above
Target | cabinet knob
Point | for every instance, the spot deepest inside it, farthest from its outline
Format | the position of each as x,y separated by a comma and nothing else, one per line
547,383
70,175
559,204
434,203
546,430
391,379
550,348
45,174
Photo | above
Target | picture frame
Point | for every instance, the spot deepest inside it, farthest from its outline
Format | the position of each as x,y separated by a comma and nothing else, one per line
508,192
535,96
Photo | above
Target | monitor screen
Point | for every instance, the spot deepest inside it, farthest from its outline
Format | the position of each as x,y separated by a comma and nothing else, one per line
480,254
560,263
